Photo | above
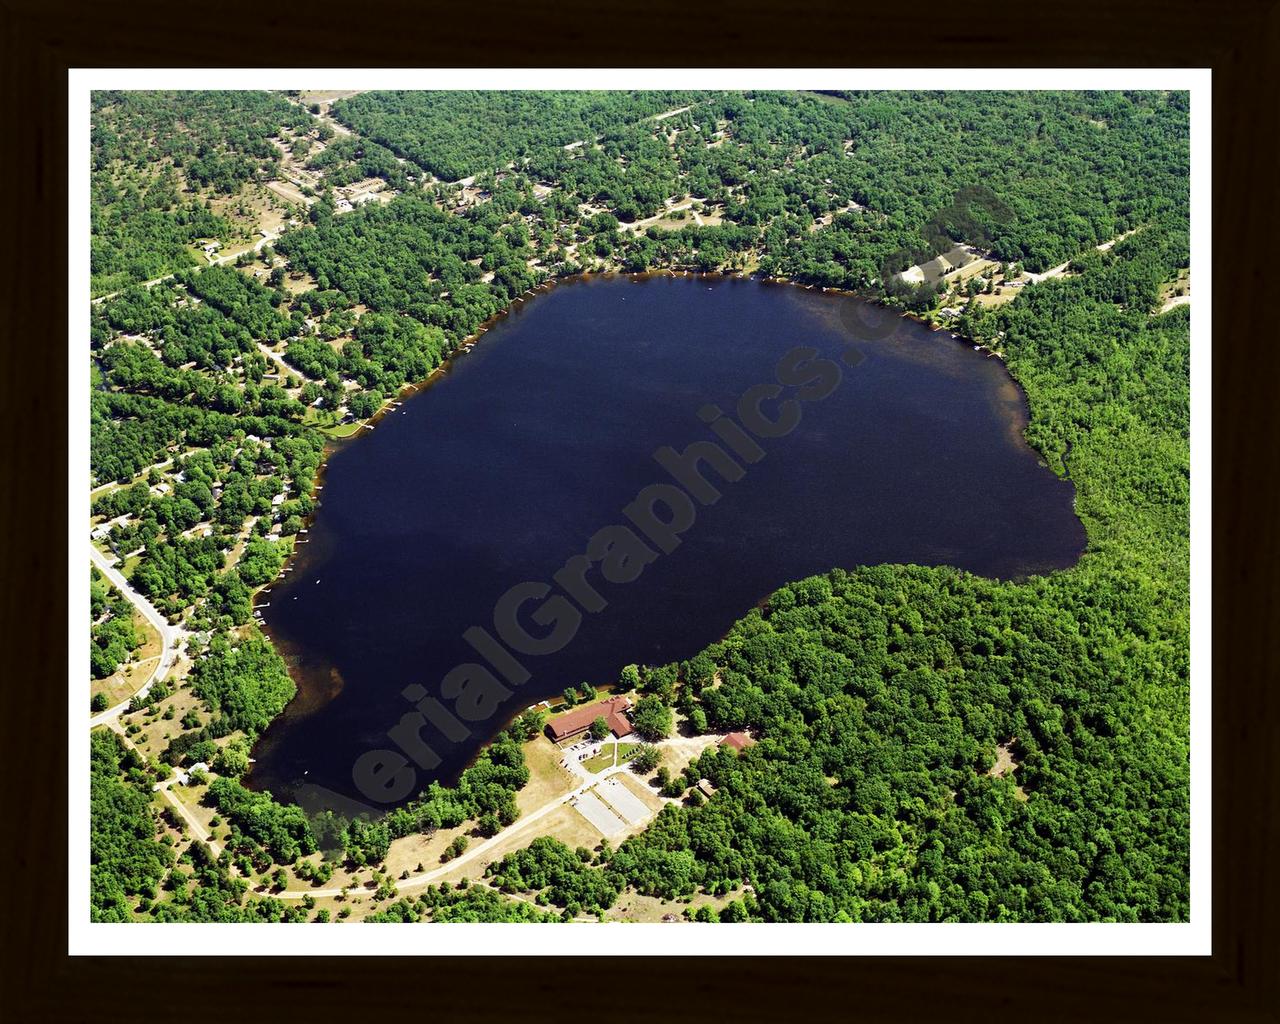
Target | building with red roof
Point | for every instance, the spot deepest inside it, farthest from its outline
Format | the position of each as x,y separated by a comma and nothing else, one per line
738,741
574,723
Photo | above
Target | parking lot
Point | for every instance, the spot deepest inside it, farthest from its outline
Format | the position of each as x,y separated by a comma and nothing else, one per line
595,811
577,753
623,801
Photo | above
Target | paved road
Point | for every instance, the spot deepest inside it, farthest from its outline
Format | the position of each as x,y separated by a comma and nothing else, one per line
169,635
1061,269
278,359
669,113
689,744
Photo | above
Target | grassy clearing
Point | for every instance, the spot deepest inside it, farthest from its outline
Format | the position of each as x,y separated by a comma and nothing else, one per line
639,909
605,759
343,429
547,779
1176,292
408,852
296,283
564,823
155,730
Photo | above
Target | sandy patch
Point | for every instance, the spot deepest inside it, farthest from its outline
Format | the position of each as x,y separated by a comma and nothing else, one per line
635,908
1006,764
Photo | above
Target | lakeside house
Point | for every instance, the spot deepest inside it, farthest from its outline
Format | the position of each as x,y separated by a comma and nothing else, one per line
575,723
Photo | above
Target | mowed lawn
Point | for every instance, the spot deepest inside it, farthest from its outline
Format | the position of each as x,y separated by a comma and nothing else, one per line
604,759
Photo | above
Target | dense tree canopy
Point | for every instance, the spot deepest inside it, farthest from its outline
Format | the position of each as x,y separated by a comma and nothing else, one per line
112,635
245,683
883,693
126,859
456,134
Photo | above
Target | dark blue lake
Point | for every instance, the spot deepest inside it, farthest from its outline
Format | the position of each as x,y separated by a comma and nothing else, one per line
505,468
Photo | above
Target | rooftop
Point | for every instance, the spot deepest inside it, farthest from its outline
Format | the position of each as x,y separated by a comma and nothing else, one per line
613,711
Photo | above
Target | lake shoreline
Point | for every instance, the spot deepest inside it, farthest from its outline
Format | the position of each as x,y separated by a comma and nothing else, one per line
310,697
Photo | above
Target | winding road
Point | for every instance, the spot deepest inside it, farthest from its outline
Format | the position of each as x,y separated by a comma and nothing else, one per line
169,635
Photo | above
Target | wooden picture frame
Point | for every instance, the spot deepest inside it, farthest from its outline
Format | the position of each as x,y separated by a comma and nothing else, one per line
1237,39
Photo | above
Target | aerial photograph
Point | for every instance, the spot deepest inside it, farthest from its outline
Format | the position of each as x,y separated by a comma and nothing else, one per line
637,506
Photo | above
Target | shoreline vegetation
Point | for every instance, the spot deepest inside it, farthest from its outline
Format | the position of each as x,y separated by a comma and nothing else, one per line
1090,823
438,374
465,346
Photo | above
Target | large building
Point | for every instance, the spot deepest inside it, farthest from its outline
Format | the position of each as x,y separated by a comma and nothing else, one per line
613,711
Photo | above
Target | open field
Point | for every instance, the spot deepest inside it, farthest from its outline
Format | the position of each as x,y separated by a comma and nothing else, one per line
289,192
156,730
547,778
344,429
254,210
678,751
636,908
326,96
296,282
407,853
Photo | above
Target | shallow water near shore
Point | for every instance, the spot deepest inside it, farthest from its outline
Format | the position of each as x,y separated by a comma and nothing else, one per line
504,469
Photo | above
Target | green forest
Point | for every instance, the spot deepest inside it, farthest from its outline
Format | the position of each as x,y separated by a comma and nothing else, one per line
456,134
880,697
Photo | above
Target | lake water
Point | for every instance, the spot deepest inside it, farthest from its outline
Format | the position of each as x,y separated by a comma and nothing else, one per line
505,468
